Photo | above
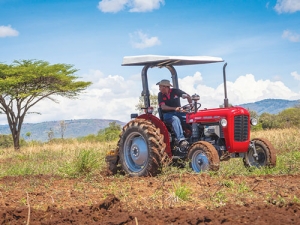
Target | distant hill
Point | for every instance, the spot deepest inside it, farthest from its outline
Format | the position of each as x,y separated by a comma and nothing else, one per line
272,106
74,128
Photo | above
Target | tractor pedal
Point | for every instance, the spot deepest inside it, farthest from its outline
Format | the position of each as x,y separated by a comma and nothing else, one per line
183,146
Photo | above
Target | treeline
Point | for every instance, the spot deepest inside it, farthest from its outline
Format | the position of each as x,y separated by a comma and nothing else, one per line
109,133
287,118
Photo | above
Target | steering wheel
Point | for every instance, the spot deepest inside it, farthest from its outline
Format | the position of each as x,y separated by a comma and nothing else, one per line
190,107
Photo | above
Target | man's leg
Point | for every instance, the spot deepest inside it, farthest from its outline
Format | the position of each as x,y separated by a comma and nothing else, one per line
185,127
183,144
176,124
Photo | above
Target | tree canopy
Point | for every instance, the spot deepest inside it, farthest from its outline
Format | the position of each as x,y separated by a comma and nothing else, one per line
287,118
24,83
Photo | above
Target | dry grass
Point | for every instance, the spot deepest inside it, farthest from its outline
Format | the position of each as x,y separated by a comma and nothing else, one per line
53,158
284,140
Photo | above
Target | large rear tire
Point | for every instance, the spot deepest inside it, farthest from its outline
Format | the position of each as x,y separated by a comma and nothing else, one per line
141,148
203,157
266,154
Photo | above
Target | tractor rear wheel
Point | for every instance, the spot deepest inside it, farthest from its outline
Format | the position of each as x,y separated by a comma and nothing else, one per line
266,154
203,157
141,148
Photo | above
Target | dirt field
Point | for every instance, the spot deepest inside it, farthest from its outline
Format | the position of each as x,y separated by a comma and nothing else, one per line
124,200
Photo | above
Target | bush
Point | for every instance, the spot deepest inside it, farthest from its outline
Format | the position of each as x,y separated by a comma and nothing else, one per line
86,162
6,141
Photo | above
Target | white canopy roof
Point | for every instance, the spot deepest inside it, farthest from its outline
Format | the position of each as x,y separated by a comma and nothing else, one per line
160,61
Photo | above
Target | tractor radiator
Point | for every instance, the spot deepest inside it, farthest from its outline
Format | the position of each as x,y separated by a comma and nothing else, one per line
241,128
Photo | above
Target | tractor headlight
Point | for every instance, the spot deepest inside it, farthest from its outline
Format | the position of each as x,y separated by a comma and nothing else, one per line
223,122
253,121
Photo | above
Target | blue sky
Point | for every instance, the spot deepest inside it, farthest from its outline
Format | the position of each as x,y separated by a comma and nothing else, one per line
259,39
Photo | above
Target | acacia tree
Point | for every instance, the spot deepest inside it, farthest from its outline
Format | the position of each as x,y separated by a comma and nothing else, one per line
25,83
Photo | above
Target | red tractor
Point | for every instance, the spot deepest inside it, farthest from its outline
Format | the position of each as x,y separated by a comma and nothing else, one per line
214,135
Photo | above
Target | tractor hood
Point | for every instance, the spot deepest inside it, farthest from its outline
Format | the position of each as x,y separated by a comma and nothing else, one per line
163,61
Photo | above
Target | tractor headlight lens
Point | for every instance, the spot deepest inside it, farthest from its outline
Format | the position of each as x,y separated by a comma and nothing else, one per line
223,122
253,121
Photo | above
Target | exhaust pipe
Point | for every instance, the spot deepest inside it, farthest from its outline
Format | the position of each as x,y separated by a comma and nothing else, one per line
225,89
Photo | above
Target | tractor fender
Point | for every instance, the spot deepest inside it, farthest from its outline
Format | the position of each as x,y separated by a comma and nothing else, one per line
163,130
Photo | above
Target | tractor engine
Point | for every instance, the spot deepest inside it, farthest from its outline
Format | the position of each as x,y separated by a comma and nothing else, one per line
212,133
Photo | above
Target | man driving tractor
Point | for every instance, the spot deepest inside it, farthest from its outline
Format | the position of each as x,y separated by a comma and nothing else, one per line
169,102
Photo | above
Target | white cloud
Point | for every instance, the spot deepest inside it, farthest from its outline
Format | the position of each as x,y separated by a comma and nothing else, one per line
295,75
291,36
112,6
141,40
7,31
287,6
114,97
132,5
145,5
244,89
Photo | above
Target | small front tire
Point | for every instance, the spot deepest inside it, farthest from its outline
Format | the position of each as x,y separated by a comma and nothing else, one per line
203,157
266,154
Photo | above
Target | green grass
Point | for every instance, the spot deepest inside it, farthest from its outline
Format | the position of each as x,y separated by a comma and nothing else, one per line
182,191
85,162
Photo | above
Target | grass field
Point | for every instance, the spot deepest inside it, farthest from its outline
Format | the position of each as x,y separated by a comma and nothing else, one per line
71,158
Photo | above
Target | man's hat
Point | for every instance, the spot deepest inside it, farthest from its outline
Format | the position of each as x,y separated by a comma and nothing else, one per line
164,83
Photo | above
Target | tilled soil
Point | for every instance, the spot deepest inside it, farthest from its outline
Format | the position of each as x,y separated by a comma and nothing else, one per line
123,200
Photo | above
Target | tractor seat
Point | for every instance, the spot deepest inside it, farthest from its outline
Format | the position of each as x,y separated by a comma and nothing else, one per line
161,117
160,114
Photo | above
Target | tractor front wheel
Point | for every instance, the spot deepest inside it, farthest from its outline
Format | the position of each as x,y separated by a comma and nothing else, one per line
141,148
203,157
266,155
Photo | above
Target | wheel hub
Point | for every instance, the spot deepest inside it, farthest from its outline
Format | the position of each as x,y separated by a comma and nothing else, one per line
138,151
200,162
135,151
257,160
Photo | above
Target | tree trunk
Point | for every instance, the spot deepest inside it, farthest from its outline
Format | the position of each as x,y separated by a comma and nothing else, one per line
15,132
16,140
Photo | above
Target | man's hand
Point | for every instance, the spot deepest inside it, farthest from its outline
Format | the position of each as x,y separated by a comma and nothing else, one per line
178,109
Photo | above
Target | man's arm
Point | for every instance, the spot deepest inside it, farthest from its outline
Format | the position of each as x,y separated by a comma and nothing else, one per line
169,108
188,97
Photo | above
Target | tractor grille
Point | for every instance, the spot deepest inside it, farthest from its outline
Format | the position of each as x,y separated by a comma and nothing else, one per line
241,128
